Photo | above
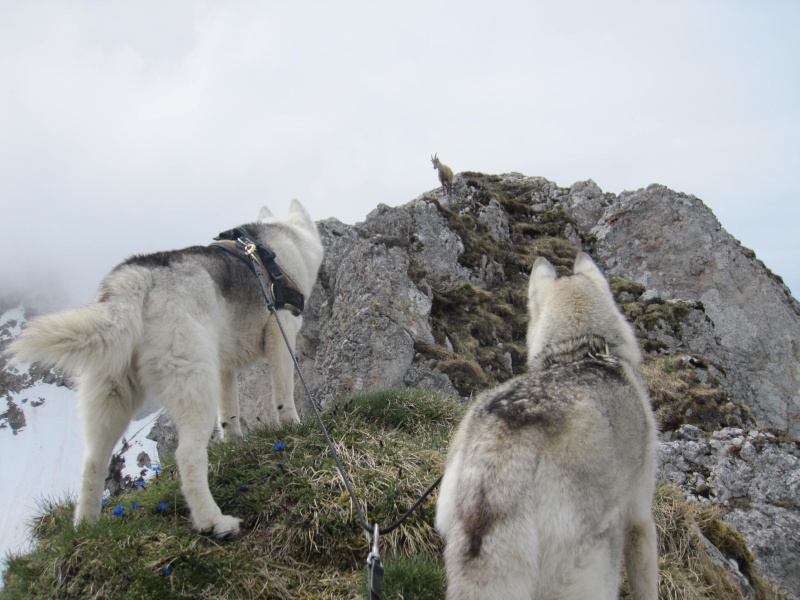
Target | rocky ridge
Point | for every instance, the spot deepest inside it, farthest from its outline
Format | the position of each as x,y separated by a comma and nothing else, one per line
433,294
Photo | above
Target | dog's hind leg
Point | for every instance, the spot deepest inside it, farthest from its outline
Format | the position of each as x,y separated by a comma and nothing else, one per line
596,578
641,558
281,366
229,416
106,406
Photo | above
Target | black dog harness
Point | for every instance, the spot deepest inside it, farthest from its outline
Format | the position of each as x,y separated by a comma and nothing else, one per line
261,259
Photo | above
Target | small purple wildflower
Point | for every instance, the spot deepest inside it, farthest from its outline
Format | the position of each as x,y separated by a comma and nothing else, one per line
279,446
104,501
165,571
162,507
119,511
135,506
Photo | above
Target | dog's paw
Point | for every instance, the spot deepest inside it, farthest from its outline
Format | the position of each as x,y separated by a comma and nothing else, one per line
227,527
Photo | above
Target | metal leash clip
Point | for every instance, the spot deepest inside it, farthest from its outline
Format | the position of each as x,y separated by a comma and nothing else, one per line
375,569
248,246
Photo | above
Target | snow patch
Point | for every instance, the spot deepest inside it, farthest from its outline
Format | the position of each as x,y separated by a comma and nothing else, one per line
43,461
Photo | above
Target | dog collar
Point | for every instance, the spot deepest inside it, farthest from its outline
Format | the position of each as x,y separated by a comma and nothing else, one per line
261,259
592,347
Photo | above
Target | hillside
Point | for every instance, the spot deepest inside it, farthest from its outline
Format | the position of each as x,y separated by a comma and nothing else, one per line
301,538
430,297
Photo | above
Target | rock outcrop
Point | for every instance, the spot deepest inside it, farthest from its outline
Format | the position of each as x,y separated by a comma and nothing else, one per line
433,294
673,245
753,474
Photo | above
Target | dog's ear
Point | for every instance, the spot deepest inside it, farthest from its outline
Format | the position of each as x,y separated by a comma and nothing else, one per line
542,275
584,265
265,213
298,214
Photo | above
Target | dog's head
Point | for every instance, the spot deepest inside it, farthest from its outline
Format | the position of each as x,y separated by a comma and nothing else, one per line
303,239
568,308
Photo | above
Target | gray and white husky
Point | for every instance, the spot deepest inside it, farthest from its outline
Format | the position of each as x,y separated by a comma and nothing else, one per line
177,326
550,476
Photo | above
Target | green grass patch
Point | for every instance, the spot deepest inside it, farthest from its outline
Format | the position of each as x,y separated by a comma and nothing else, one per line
300,535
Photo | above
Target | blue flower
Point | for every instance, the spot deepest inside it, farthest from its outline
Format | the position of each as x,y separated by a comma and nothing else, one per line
280,466
156,469
135,506
162,507
140,484
242,488
165,571
104,501
279,446
119,511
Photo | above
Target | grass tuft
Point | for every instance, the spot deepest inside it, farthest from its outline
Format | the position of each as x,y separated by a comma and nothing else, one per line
301,537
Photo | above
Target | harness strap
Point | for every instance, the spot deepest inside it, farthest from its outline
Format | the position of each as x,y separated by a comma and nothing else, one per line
590,346
261,259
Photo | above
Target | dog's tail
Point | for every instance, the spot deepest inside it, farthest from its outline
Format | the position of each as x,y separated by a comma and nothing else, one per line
98,338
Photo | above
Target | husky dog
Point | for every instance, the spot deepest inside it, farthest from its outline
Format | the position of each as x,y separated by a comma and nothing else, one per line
177,326
550,476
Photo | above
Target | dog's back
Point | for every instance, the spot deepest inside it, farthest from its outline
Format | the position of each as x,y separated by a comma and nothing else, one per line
178,326
550,475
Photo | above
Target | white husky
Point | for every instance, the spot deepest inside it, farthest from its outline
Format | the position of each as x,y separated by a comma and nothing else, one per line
178,326
550,476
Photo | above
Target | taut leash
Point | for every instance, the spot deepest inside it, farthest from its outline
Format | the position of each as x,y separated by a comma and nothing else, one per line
372,533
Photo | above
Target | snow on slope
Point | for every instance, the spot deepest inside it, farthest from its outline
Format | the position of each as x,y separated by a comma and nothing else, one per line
42,460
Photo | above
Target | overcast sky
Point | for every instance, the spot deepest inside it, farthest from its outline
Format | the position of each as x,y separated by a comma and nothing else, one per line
130,127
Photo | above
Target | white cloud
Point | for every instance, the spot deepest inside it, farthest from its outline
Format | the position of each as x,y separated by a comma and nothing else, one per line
134,127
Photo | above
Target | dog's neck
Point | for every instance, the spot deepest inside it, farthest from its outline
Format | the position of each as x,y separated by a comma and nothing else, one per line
572,350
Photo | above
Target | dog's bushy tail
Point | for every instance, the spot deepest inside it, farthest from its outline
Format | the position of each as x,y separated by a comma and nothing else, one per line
98,338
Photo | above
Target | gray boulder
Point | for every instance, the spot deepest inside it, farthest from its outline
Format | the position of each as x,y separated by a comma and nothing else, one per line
673,245
753,474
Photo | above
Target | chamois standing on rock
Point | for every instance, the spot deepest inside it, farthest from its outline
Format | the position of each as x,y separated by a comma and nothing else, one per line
445,174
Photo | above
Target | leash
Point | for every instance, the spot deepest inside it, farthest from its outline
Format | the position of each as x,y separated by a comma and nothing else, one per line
375,568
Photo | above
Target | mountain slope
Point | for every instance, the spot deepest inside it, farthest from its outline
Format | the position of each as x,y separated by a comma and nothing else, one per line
431,295
40,441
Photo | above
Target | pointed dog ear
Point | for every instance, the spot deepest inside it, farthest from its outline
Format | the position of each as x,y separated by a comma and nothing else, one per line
298,214
265,213
584,265
542,275
542,270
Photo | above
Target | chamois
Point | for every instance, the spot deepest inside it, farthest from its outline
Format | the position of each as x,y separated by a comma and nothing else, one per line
445,174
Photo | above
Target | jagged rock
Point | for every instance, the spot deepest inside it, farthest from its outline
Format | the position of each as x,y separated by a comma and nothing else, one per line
143,460
586,202
165,434
730,566
672,244
394,289
495,219
13,417
755,476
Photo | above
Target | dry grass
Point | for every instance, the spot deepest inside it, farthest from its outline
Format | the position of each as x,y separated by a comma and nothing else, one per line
678,396
300,534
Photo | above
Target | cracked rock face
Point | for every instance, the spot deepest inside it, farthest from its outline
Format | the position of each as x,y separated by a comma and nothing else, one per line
703,295
673,245
755,475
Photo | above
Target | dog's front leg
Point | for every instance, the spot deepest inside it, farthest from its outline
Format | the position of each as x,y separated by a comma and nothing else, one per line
281,365
229,417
